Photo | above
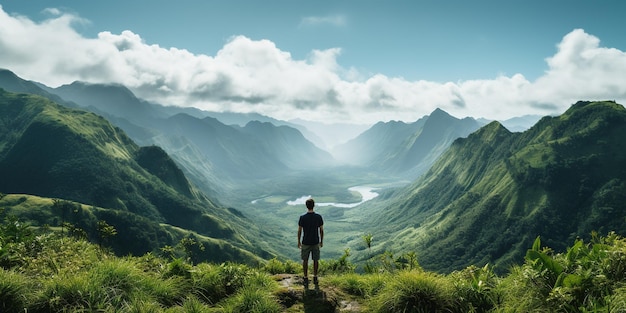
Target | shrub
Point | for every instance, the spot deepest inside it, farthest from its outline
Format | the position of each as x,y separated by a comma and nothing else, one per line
252,300
166,291
193,305
475,288
72,293
339,266
586,278
415,291
214,283
138,305
260,280
12,291
292,267
365,286
274,266
178,267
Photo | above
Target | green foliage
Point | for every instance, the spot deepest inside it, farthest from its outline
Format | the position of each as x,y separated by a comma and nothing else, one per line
275,266
190,245
368,240
15,238
178,267
13,291
105,231
475,289
387,262
585,278
253,300
214,283
364,286
341,265
78,157
415,291
66,274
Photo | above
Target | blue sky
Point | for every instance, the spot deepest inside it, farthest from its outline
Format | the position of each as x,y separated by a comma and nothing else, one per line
357,61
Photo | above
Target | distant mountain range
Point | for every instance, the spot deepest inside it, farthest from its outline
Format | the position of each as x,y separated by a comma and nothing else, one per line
214,155
491,194
405,149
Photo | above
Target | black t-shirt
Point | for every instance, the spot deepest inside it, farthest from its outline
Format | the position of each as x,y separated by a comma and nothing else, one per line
310,222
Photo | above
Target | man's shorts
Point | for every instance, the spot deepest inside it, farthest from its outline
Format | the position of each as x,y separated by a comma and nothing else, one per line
313,250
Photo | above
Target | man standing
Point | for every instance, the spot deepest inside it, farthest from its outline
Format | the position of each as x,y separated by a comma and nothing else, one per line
313,226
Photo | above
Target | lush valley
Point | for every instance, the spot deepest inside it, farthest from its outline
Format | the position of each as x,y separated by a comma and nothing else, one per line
463,200
60,153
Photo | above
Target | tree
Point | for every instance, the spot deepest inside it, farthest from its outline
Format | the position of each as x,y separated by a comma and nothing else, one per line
188,244
64,207
105,231
368,241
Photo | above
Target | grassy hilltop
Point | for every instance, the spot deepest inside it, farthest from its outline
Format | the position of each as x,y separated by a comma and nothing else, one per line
47,271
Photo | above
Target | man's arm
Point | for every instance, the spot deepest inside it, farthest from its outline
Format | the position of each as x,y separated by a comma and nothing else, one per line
299,236
321,236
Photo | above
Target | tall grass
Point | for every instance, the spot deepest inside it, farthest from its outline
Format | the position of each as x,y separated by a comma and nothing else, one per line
141,306
364,286
13,291
72,293
475,289
253,300
61,274
415,292
275,266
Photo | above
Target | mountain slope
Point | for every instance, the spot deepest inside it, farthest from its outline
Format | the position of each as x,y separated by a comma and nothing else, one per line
288,145
439,131
10,82
491,194
408,149
115,100
56,152
232,152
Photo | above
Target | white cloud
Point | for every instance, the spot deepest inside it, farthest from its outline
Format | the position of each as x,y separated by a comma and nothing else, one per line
255,76
582,69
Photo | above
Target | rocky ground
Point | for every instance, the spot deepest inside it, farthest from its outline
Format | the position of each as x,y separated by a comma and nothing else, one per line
314,298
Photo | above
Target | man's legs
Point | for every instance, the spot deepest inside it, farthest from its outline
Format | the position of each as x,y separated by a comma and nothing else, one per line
315,255
305,268
304,253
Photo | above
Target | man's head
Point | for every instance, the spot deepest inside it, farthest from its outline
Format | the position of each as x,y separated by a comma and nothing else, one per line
310,203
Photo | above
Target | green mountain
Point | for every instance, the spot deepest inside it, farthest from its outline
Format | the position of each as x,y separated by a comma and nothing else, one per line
407,149
365,149
287,145
52,151
233,152
11,82
491,194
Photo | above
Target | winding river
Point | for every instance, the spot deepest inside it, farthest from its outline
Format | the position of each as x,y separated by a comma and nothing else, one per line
367,193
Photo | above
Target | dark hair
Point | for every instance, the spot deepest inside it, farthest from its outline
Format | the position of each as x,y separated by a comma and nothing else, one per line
310,203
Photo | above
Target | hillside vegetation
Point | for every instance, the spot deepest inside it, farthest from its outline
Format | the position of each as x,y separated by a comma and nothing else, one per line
44,271
89,169
490,194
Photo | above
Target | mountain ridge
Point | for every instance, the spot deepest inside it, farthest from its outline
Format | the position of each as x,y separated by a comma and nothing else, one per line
406,149
57,152
492,193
